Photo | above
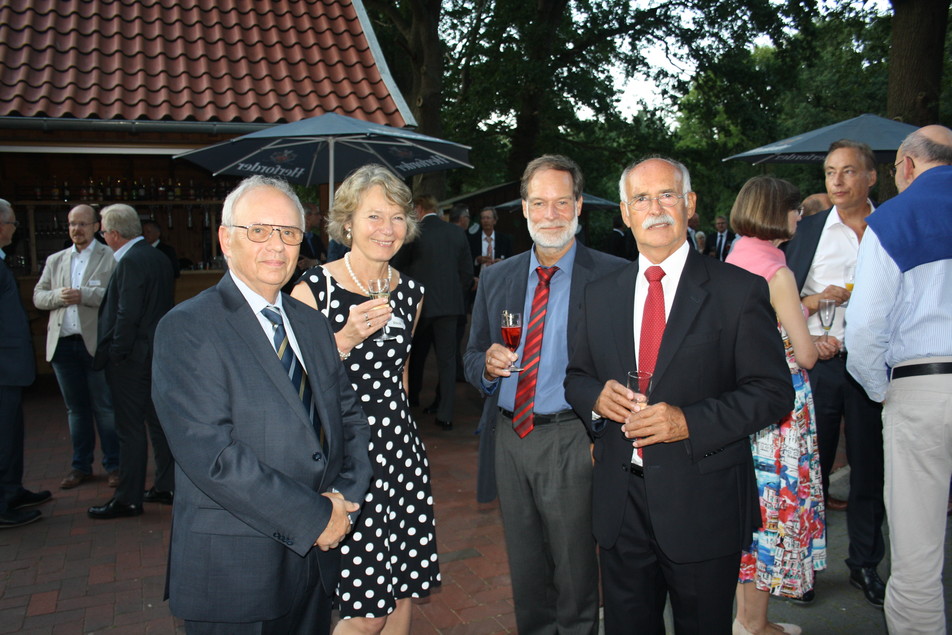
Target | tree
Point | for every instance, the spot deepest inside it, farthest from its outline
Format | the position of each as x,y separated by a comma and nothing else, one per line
916,60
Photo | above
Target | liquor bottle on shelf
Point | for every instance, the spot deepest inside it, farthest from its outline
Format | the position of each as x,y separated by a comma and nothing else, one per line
39,192
178,190
141,189
55,191
65,190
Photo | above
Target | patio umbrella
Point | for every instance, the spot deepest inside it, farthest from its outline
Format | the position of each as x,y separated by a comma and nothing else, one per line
882,135
328,147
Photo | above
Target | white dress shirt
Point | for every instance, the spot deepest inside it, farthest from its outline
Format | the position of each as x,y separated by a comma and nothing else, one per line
257,303
835,252
77,269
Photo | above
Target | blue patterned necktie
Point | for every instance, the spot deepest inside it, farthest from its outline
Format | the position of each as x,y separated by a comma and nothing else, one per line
294,368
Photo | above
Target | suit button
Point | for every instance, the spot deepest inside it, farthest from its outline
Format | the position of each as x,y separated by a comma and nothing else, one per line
316,456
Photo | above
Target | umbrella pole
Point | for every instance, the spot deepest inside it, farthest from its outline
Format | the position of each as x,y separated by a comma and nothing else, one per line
330,172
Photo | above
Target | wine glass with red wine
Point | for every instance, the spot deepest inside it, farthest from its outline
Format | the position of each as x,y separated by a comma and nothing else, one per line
511,335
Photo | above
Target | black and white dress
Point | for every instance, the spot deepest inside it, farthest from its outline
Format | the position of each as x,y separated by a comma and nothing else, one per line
391,552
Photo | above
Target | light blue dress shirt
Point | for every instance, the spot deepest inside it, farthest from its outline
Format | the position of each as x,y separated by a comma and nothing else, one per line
894,317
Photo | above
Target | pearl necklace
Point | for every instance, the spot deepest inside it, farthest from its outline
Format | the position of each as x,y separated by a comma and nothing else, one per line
353,276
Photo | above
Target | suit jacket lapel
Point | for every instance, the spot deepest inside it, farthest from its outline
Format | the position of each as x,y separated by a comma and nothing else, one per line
248,330
688,300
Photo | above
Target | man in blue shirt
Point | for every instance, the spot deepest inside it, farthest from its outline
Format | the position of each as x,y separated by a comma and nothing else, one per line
532,444
897,328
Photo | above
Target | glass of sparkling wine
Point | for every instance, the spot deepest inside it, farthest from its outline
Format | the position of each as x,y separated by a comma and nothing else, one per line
511,335
826,311
850,276
380,288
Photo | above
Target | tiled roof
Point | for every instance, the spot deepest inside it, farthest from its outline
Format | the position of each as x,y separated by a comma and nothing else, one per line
264,61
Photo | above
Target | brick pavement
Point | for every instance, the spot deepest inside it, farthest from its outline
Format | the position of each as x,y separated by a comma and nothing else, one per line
70,574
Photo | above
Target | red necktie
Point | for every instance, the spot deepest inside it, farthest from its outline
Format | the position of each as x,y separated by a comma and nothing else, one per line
522,418
652,323
489,247
652,327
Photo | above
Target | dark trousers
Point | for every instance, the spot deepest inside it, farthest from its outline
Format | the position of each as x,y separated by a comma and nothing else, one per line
637,578
836,397
11,444
131,386
545,497
440,332
310,615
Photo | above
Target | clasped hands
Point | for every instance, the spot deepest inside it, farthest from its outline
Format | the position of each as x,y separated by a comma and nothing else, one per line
339,525
644,424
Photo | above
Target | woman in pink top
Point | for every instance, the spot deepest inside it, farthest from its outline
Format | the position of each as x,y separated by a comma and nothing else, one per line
791,543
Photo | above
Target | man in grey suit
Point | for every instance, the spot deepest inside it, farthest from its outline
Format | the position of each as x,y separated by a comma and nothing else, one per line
17,369
439,260
139,293
268,476
532,444
71,289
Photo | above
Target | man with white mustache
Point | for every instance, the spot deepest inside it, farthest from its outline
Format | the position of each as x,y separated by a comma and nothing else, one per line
675,494
532,444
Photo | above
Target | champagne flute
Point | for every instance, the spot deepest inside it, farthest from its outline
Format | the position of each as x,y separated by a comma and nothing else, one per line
826,311
850,277
511,335
380,288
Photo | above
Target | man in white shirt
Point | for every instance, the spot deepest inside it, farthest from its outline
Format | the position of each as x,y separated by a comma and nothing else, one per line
820,256
898,325
71,288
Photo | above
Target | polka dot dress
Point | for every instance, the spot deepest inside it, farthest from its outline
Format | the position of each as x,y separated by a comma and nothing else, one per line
391,552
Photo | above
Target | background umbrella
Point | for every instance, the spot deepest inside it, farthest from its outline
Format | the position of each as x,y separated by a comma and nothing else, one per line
882,135
328,147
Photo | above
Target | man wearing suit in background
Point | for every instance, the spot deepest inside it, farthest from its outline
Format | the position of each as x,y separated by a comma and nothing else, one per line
719,244
312,250
152,234
676,496
138,295
269,440
487,245
531,443
439,260
17,369
71,288
824,247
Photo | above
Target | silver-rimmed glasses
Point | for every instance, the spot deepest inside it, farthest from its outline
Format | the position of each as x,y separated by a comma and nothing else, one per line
260,233
665,199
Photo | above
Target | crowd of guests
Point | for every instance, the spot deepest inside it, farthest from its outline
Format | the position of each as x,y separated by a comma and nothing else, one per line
693,378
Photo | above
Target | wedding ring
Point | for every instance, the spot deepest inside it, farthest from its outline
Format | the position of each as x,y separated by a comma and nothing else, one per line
366,316
368,324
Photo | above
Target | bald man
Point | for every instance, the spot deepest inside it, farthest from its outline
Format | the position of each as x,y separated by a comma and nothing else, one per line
897,327
816,203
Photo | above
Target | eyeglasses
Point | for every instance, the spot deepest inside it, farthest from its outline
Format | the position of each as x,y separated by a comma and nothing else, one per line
895,167
15,223
641,203
258,233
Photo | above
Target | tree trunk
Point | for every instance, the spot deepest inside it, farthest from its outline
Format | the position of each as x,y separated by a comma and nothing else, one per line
915,60
426,95
537,82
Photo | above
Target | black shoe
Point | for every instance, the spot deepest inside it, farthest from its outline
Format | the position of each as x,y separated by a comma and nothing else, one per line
806,599
873,587
431,409
153,495
29,499
114,509
16,518
446,425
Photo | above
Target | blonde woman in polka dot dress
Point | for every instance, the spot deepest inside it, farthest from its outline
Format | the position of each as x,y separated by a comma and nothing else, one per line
390,555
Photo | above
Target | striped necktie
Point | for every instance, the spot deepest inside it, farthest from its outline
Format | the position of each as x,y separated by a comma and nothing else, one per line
294,368
523,417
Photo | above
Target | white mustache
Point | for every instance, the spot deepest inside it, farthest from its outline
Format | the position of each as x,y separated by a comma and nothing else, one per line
660,219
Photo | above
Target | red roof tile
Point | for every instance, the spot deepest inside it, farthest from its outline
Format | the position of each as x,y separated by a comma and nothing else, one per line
193,60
